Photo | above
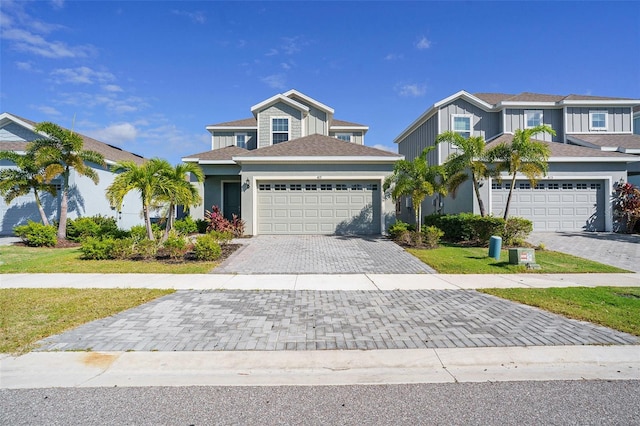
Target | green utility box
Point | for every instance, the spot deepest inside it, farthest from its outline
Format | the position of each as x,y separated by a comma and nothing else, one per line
523,256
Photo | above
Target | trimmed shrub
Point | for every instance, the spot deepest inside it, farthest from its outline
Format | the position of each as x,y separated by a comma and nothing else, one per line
485,227
123,249
399,228
185,226
456,227
202,226
97,249
516,230
206,248
175,246
145,249
35,234
221,237
93,226
431,236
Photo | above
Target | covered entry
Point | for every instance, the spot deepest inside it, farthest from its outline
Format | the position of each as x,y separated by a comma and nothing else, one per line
318,207
554,205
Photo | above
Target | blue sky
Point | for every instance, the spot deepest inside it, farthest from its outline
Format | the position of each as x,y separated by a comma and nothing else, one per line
149,76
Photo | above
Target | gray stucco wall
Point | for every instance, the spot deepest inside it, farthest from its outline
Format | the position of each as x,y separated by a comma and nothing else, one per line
619,119
278,110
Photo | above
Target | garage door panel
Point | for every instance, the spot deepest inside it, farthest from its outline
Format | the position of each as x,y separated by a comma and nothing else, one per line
318,208
556,205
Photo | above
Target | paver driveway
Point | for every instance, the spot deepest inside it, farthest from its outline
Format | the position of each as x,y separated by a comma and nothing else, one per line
321,254
621,250
322,320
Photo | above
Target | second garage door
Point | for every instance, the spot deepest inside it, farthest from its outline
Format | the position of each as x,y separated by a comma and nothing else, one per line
314,207
554,205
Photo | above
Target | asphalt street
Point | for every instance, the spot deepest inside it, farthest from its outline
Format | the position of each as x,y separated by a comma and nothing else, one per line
517,403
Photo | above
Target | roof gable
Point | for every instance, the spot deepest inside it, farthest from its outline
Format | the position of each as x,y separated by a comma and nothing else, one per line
111,153
274,100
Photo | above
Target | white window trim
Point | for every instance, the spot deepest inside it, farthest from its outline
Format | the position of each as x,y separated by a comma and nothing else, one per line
271,127
235,139
469,116
606,120
345,134
532,111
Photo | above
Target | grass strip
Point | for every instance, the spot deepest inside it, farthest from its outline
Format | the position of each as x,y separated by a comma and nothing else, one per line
613,307
450,259
28,315
19,260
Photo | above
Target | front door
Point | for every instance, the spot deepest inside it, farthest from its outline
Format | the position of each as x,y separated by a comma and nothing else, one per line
230,199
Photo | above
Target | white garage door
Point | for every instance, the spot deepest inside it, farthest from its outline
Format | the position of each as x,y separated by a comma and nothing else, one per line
339,207
554,205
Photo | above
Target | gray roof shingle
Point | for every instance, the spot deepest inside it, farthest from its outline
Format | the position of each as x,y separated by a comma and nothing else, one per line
245,122
319,146
221,154
626,141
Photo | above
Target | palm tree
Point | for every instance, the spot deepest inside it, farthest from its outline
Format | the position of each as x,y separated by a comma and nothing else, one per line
62,150
522,155
417,179
28,176
150,179
184,193
470,158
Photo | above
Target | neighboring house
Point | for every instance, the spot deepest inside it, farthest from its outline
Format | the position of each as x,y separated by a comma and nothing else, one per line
594,148
85,198
292,168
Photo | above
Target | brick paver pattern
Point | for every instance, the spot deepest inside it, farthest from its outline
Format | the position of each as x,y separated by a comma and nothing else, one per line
321,254
217,320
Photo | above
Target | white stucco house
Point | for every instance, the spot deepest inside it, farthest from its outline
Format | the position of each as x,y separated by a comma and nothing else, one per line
85,198
594,148
292,168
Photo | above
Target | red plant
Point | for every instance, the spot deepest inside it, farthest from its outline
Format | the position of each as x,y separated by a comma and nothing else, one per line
217,222
627,203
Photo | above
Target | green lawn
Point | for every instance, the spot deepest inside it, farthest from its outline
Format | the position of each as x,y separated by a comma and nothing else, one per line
28,315
613,307
449,259
20,259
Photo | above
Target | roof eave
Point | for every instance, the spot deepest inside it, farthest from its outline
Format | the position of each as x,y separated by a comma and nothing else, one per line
232,127
318,159
278,98
320,105
593,102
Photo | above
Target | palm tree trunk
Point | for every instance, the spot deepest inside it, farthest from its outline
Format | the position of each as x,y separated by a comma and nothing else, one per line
62,226
147,221
476,188
506,208
169,223
43,216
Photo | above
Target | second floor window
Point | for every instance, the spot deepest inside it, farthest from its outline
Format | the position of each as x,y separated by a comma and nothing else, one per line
344,136
597,120
461,124
533,118
241,140
279,130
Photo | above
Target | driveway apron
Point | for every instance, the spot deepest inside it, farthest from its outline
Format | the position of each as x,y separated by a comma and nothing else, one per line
321,254
323,320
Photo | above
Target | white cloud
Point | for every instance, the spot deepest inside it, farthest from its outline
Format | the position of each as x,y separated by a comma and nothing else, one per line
57,4
411,90
275,81
271,52
112,88
48,110
81,75
25,41
393,57
285,66
423,43
27,66
196,17
385,148
115,133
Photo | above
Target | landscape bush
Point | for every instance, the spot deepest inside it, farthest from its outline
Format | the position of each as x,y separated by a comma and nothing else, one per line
202,226
35,234
468,227
93,248
93,226
398,228
217,222
123,248
516,230
431,236
206,248
185,226
175,246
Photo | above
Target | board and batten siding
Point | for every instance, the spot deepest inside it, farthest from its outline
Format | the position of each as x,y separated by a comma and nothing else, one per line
636,125
423,136
279,109
13,132
224,139
619,120
514,119
316,122
485,124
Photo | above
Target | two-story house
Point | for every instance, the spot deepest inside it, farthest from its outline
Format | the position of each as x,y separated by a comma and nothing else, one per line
592,150
85,198
292,168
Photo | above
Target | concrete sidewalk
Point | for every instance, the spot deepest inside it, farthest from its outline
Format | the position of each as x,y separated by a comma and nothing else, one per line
316,281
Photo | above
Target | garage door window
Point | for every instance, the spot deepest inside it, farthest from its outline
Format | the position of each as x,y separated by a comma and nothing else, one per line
326,187
311,187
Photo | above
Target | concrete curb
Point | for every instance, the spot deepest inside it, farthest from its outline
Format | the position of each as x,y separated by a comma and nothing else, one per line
279,368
